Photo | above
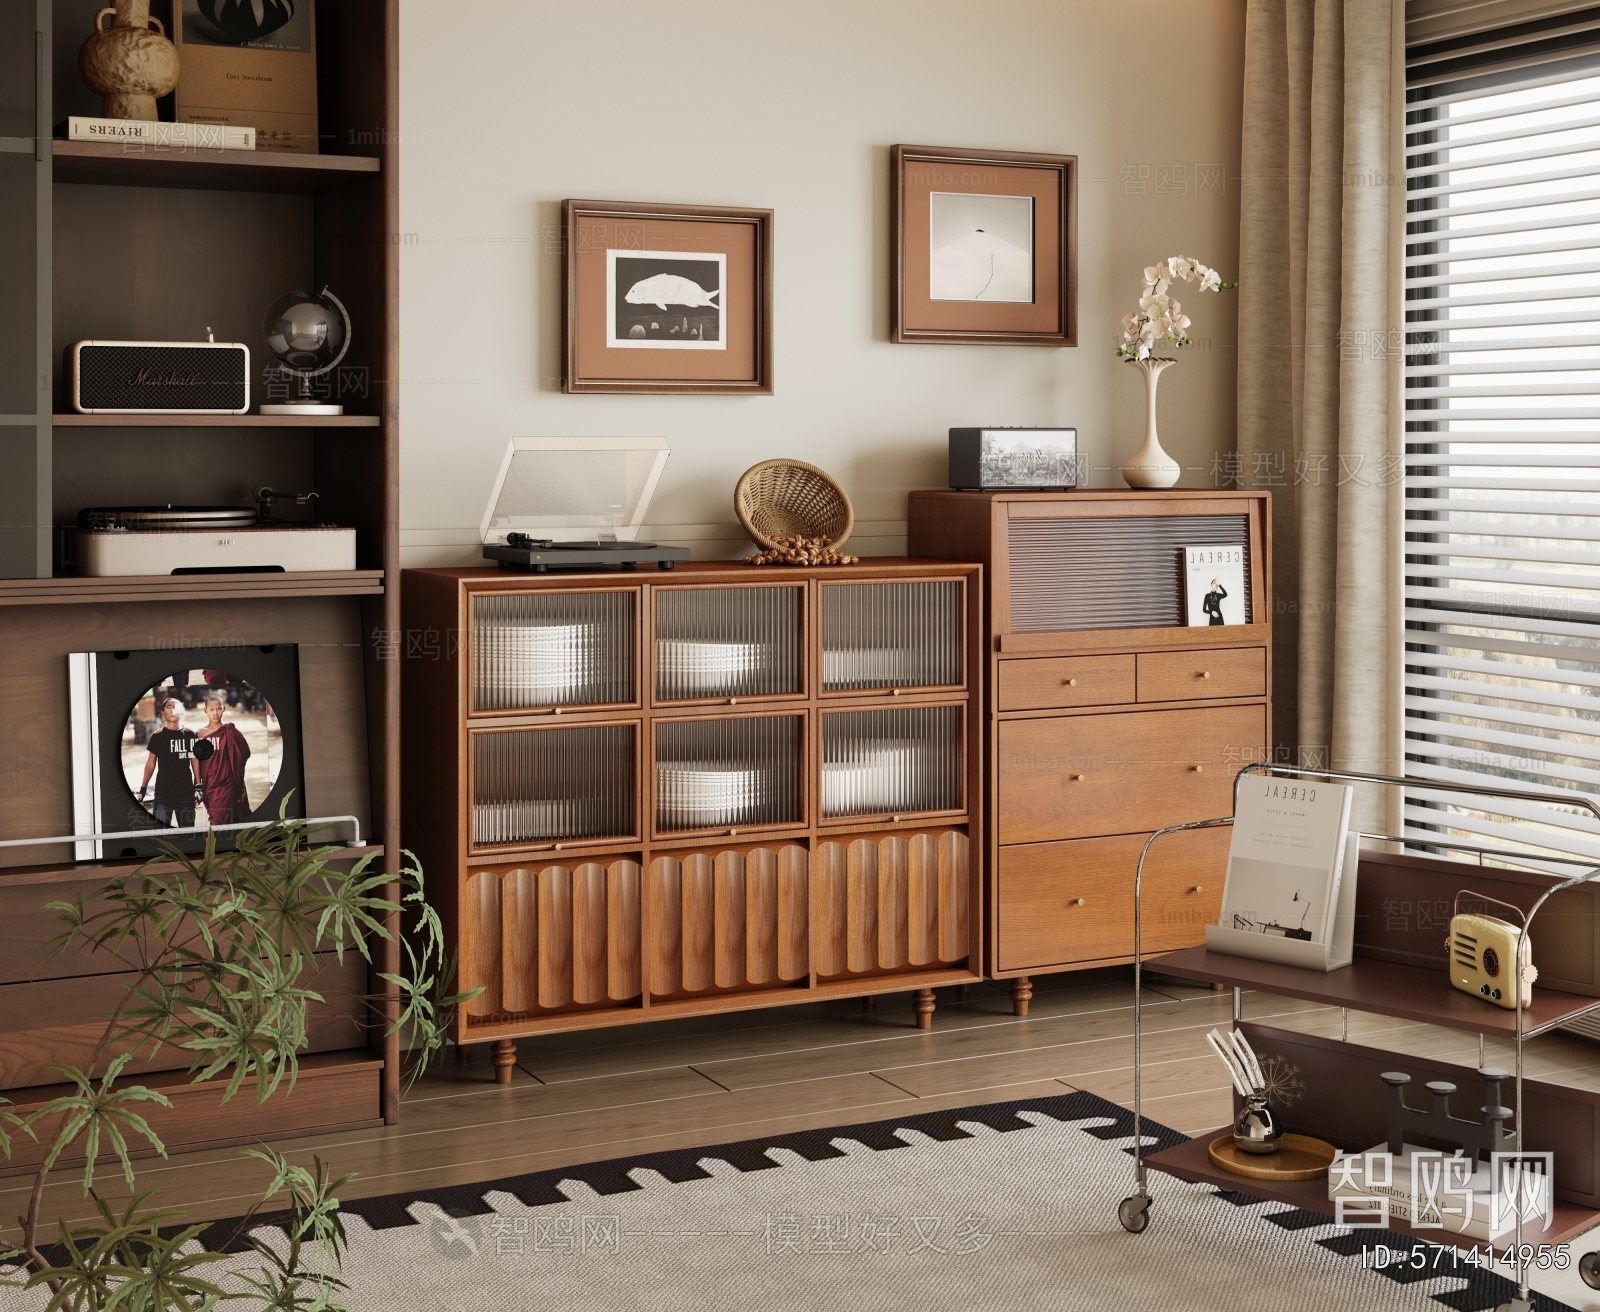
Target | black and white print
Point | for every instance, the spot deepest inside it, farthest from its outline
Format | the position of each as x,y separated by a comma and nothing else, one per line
980,248
666,300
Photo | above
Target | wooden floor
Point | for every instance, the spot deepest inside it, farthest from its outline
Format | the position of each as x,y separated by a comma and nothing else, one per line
615,1092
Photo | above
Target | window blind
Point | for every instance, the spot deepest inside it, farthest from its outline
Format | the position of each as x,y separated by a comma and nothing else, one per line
1502,467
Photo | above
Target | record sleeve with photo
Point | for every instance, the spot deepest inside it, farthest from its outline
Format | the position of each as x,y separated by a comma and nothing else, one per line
172,740
1214,586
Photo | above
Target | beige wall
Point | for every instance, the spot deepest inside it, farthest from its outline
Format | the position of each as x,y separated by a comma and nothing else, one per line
507,108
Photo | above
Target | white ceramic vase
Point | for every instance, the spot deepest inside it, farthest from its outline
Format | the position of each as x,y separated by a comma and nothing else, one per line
1150,465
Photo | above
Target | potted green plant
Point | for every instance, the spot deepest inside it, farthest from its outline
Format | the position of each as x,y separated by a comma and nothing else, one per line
218,948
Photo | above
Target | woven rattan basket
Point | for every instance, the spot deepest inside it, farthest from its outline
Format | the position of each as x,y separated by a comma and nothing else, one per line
789,498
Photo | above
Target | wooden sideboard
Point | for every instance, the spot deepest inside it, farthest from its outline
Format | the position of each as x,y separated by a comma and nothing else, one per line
1106,717
640,795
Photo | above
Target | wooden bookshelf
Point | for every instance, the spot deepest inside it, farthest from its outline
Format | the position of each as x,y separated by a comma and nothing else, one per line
100,242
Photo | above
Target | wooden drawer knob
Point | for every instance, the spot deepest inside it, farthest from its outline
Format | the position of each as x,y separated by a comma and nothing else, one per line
1199,769
733,701
1205,674
557,711
1198,888
559,846
1080,777
894,692
1077,902
1071,683
733,833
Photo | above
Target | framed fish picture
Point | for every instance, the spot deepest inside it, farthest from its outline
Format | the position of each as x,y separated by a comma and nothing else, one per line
667,299
984,247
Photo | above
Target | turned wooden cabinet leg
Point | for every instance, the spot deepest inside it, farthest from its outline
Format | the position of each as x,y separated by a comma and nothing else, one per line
1021,994
869,1002
925,1005
504,1057
963,992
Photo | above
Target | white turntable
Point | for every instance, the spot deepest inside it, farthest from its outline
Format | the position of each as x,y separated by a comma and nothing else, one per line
120,541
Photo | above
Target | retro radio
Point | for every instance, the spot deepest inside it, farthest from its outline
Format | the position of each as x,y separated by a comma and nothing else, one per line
162,378
1482,948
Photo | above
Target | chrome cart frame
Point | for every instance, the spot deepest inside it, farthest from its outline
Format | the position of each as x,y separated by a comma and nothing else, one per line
1134,1211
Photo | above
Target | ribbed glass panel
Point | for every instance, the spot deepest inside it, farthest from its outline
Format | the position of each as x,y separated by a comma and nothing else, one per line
551,649
727,642
1111,573
553,784
891,635
1502,468
907,759
715,773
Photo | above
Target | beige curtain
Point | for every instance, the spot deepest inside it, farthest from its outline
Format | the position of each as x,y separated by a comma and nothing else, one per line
1320,417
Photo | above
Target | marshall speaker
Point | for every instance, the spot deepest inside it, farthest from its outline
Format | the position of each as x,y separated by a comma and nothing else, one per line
163,378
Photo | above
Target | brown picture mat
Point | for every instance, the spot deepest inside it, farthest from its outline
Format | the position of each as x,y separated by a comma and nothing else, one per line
742,236
1050,181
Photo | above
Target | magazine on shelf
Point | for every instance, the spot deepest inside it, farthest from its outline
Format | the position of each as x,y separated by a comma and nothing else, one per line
1213,586
1285,898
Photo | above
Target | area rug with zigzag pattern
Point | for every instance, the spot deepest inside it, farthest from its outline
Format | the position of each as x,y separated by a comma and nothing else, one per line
1000,1207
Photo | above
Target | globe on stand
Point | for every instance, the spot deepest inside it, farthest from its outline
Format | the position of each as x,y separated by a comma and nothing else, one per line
308,336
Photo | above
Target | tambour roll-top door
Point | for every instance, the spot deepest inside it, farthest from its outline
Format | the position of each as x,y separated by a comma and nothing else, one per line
1114,573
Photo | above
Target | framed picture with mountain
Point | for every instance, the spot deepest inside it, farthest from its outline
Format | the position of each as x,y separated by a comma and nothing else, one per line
984,246
667,298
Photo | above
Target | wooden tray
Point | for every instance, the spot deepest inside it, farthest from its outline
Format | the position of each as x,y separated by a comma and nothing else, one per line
1299,1157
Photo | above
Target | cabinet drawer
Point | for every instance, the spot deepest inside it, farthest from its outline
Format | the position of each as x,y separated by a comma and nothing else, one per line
1083,776
1042,685
1060,904
1181,676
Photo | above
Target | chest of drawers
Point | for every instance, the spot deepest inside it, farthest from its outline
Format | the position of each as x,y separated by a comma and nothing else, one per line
1105,715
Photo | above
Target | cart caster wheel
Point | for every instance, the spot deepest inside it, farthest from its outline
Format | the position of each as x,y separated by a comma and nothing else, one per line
1134,1213
1589,1269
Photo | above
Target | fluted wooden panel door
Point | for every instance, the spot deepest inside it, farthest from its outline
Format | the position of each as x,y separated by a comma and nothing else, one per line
891,904
729,920
547,938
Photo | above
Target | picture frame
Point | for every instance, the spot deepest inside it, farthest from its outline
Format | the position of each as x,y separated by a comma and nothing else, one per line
667,299
983,247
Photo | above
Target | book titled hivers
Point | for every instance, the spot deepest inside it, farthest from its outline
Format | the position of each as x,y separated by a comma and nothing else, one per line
1289,895
165,136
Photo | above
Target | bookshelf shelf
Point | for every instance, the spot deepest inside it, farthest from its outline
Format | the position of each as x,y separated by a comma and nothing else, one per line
107,164
215,421
190,587
1387,988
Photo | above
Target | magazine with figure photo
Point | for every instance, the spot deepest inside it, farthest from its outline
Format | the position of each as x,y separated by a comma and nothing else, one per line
1214,586
177,740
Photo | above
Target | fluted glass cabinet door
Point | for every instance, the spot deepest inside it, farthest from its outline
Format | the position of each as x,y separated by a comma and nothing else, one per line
728,642
556,648
905,760
891,635
553,785
730,773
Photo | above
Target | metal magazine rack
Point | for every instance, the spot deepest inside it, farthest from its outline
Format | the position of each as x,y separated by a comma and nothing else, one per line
1134,1211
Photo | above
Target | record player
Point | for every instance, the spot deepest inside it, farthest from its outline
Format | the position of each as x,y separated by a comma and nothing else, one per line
123,541
576,503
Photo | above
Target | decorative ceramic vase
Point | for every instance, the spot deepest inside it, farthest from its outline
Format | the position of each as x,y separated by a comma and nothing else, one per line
1256,1129
1151,466
127,63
